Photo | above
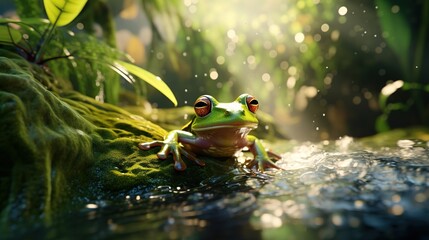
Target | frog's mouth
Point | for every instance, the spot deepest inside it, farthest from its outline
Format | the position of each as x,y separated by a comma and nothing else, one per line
248,126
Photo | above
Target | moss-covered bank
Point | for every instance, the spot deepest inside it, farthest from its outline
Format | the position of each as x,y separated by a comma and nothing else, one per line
57,148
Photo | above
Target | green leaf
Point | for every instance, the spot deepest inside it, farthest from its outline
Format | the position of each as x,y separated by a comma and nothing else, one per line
25,21
381,123
62,12
9,35
27,25
151,79
398,32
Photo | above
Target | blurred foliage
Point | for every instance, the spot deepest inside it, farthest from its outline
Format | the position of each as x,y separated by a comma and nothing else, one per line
409,43
317,66
44,41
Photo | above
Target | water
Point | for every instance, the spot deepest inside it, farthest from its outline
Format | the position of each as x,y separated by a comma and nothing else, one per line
330,190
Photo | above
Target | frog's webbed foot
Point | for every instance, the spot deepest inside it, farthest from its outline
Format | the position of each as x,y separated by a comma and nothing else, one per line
175,149
273,155
262,163
262,157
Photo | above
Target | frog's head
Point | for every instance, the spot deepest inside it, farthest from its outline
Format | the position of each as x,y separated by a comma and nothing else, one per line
211,114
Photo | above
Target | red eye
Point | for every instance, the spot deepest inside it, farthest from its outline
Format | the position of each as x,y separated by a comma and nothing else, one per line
252,103
202,106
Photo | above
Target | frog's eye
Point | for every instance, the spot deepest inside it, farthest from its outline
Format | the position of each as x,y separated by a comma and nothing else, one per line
202,106
252,103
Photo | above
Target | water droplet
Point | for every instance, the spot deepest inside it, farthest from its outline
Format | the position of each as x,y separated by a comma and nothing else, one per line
91,206
405,143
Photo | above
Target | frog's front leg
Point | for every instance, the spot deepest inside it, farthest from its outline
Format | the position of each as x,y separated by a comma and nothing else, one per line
171,144
262,158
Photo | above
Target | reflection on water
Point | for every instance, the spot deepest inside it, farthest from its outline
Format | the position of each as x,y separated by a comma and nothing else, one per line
327,190
343,193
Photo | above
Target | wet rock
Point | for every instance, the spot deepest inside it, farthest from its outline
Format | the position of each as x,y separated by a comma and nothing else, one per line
59,148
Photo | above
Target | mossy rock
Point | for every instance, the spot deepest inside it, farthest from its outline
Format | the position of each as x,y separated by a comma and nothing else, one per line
63,148
390,138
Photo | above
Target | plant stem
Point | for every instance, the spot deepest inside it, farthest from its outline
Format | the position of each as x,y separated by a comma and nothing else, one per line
44,40
54,58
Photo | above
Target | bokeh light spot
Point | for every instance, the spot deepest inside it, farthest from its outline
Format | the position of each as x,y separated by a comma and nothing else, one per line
324,27
299,37
214,74
220,60
342,11
395,9
266,77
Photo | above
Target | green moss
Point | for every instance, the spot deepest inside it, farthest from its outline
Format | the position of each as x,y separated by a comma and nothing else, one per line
390,138
43,141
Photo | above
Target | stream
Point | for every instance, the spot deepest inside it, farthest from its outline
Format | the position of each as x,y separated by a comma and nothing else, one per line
328,190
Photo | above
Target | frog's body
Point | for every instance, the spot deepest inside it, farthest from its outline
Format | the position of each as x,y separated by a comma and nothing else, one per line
218,130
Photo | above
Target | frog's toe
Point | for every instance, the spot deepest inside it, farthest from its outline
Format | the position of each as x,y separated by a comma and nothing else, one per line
273,155
162,155
192,157
267,164
261,165
144,146
179,166
251,163
149,145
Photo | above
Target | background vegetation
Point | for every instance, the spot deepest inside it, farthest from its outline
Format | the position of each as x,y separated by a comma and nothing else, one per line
322,69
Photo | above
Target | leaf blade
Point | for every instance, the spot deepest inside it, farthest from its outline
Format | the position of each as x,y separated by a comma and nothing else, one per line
149,78
398,33
62,12
9,35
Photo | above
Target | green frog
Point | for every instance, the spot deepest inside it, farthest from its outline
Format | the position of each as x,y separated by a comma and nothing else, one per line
217,130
